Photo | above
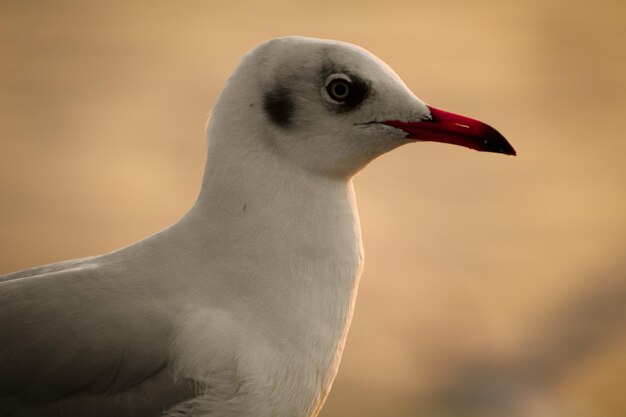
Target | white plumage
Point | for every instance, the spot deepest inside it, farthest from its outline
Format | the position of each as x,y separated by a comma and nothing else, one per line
241,308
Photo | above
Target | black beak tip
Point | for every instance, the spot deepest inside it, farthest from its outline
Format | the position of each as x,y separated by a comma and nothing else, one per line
503,148
495,142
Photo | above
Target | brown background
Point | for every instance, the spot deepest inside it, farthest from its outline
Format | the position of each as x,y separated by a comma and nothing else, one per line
493,286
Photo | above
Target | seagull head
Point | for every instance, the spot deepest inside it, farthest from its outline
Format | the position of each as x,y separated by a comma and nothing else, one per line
331,107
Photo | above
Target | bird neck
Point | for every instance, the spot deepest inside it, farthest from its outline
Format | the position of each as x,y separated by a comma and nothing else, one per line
247,180
258,204
255,204
286,237
285,243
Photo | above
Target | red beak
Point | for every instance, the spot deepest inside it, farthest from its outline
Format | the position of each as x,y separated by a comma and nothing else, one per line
455,129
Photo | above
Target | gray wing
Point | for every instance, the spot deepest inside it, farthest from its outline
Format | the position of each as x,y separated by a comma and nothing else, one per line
79,338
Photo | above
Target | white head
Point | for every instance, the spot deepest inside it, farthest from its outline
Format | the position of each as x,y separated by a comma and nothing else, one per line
330,107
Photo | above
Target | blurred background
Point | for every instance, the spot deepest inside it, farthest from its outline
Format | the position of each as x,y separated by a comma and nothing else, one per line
493,285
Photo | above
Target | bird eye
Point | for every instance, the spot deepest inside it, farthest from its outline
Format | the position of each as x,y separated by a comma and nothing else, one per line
338,89
346,91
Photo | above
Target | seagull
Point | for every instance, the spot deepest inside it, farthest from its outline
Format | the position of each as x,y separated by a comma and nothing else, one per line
242,307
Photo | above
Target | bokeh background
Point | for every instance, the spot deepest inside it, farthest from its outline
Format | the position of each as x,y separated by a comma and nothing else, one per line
493,286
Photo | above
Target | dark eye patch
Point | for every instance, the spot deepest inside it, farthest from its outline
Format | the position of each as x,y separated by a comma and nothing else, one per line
279,106
359,91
